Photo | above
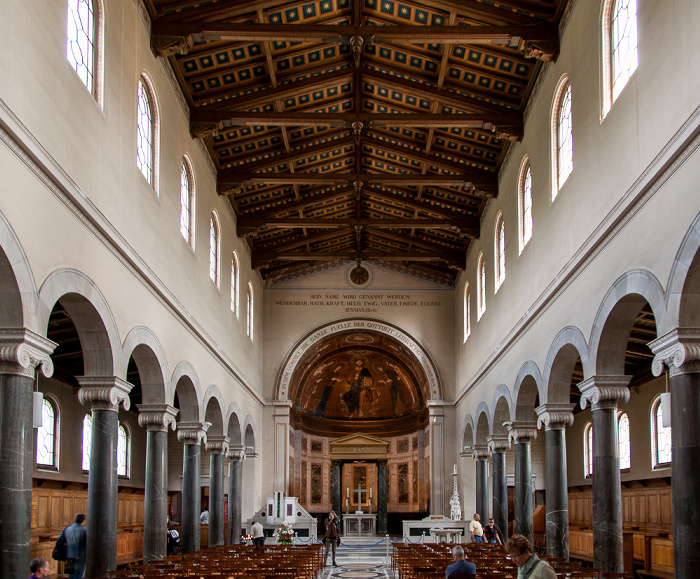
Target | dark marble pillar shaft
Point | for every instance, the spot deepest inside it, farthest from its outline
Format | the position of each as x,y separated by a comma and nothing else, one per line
685,420
216,498
16,458
155,495
482,489
500,493
557,516
191,496
102,494
523,488
381,499
336,494
607,494
235,484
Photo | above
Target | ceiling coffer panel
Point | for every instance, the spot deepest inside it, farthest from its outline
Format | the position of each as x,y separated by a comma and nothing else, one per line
357,129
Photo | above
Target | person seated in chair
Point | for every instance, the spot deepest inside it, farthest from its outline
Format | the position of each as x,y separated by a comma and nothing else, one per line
461,566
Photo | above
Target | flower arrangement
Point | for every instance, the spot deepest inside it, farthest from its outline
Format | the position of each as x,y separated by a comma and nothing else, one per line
285,535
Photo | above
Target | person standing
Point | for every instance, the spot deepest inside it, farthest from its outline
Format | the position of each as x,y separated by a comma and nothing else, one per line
530,566
492,534
39,568
258,534
332,535
174,541
476,530
76,542
204,517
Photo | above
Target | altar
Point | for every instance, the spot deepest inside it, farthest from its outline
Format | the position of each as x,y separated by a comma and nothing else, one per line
359,525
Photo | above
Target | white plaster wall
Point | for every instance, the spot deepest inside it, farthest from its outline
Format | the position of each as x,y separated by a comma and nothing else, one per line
614,159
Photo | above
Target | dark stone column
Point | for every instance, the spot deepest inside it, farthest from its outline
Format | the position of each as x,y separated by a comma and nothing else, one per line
21,352
156,418
191,433
498,446
336,494
556,417
236,455
604,392
523,433
679,350
104,394
480,454
217,446
381,498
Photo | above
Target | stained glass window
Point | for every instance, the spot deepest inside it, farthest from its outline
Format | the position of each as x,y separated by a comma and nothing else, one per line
80,45
234,284
214,249
525,199
660,437
623,433
123,452
588,449
481,287
87,441
500,251
47,435
187,203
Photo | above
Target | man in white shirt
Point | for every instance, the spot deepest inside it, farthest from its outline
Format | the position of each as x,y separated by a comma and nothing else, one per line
204,517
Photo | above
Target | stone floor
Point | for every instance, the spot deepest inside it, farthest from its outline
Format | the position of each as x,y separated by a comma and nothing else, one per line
361,559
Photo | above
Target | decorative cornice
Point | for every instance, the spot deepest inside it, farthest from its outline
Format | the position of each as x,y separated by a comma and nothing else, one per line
498,443
480,452
217,444
521,431
236,453
22,351
597,389
555,416
104,392
679,350
157,416
192,432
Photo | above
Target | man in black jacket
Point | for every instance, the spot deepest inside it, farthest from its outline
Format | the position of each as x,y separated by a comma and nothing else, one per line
332,535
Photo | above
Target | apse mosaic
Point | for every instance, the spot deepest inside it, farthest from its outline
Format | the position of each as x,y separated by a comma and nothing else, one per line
360,378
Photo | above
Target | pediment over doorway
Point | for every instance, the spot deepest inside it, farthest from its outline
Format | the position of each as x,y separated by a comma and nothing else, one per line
359,446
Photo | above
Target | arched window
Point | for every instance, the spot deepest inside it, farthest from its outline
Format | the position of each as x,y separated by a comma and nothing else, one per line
588,449
562,137
467,312
87,441
480,287
619,48
187,202
47,435
234,284
214,249
249,312
83,43
147,133
660,437
499,250
123,451
623,436
525,204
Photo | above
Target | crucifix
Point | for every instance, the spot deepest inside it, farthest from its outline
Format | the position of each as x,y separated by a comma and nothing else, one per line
359,490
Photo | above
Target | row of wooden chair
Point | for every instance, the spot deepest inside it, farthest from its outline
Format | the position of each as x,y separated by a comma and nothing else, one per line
233,562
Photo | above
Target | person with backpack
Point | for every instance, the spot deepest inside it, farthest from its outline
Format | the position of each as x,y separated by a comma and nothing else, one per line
173,539
75,538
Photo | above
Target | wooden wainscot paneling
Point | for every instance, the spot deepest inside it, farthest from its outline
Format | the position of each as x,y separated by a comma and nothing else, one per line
662,555
55,504
581,544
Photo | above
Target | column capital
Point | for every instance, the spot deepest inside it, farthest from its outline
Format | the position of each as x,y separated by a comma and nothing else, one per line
217,444
555,416
382,462
679,349
598,389
521,430
236,453
23,351
157,417
192,432
104,392
497,443
336,463
480,452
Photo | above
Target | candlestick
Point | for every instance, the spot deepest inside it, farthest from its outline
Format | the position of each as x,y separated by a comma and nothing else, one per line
370,493
455,470
348,493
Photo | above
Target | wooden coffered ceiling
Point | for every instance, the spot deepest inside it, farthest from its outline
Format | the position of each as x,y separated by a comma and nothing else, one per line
357,129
